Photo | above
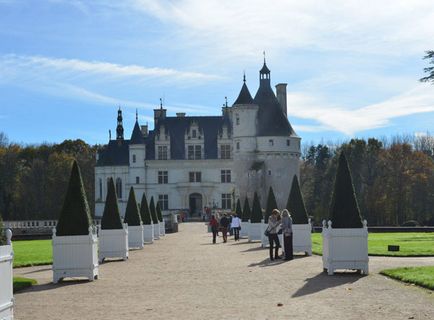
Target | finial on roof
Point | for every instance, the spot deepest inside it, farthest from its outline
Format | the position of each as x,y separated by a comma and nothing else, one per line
161,103
137,115
226,102
264,56
244,76
110,134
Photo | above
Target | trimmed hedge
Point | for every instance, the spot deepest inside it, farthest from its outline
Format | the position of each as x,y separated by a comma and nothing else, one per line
132,215
74,218
238,210
159,213
153,211
111,219
271,204
256,210
144,211
344,210
246,211
295,204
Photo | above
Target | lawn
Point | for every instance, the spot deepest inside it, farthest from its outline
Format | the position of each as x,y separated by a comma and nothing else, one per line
32,252
421,276
22,283
412,244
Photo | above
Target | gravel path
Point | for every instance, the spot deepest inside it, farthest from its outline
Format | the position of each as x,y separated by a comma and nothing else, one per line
184,276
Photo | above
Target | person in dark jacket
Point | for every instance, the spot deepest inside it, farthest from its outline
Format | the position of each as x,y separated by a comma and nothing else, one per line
287,234
214,228
224,223
273,226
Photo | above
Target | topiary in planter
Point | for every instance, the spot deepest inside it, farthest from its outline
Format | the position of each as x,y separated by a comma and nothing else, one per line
256,210
159,213
144,211
2,233
111,219
74,219
246,211
153,211
344,210
132,216
238,209
271,204
295,204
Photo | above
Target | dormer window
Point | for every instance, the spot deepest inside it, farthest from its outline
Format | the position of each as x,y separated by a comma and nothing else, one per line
271,142
134,158
194,133
288,142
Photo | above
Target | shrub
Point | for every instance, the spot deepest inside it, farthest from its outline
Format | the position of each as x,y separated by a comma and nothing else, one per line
111,219
256,210
411,223
238,210
153,211
158,211
296,205
75,216
271,204
144,211
344,210
246,211
132,216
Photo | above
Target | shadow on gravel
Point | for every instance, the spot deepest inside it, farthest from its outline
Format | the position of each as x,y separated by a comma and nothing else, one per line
51,286
323,281
39,270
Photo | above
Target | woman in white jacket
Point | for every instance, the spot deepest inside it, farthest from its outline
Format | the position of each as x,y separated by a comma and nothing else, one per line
236,226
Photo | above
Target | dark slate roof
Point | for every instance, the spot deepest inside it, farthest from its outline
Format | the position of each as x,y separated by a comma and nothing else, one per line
116,153
264,69
244,97
271,119
137,135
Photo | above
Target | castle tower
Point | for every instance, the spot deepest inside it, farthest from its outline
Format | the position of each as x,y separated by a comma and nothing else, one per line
120,127
137,156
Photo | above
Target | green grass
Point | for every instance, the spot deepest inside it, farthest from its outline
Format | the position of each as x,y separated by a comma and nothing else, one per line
32,253
412,244
22,283
421,276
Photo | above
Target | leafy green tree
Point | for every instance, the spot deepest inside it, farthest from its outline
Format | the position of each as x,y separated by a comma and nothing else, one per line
271,204
158,211
238,210
144,211
429,70
256,210
74,217
132,215
295,204
246,211
111,219
153,211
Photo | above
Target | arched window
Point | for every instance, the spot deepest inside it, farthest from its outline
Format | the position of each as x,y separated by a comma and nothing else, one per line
119,188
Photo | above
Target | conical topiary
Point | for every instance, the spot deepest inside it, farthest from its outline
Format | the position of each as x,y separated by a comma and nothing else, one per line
144,211
159,213
153,211
271,204
246,211
256,210
344,210
111,219
238,210
295,204
132,215
74,219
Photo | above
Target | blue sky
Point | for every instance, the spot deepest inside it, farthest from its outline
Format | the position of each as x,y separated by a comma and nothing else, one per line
352,67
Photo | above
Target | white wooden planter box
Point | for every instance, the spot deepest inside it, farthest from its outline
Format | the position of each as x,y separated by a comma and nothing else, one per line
156,231
302,238
75,256
264,239
135,237
345,248
244,232
148,233
162,228
6,291
255,231
113,243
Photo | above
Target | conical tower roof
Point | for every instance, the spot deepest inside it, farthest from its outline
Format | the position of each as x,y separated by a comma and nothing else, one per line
137,135
244,97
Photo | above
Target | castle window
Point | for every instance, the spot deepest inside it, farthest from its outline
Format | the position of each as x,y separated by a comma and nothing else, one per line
134,158
162,153
137,180
288,142
119,188
194,152
271,142
237,119
225,176
163,200
100,188
238,145
269,172
226,201
193,133
195,176
163,177
225,151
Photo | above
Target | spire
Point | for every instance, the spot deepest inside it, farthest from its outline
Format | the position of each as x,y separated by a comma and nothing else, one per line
120,127
264,73
161,103
244,97
137,115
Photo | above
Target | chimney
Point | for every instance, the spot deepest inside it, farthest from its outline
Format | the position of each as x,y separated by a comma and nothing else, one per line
281,96
180,114
144,130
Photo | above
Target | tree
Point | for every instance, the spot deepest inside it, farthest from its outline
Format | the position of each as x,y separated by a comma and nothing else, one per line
132,215
430,70
158,211
111,219
153,211
144,211
271,204
238,210
246,211
75,216
295,204
344,210
256,210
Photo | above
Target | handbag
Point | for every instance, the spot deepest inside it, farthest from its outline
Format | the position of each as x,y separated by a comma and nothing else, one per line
267,233
280,231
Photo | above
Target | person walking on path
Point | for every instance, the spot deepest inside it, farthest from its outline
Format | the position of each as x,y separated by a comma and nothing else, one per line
287,234
236,226
214,228
224,223
273,239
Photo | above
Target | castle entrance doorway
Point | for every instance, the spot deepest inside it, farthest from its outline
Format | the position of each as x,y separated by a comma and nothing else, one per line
195,201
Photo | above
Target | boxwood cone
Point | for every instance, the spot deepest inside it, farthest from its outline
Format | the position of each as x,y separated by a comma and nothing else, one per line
295,204
153,211
344,210
256,210
111,219
144,211
238,209
246,211
271,204
132,215
75,218
159,213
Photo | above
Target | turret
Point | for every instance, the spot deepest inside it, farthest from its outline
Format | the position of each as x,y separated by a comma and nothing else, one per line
120,127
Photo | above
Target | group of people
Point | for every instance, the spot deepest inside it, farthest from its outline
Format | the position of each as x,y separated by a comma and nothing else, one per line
277,224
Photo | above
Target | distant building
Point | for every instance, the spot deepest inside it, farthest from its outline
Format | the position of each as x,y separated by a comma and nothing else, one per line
194,162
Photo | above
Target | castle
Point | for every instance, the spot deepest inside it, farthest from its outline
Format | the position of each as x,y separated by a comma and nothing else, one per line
192,163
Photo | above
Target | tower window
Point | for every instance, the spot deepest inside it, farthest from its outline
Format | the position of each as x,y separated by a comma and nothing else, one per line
119,188
134,158
238,145
269,172
288,142
271,142
137,180
163,177
100,188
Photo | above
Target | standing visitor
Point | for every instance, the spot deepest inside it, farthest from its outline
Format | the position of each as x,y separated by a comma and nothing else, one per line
224,223
236,226
214,228
287,234
231,231
273,239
